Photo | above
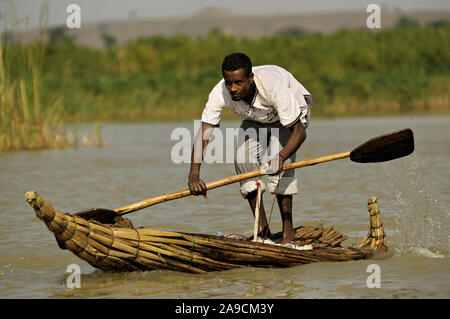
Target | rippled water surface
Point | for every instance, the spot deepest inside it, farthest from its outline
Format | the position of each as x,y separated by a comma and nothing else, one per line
413,194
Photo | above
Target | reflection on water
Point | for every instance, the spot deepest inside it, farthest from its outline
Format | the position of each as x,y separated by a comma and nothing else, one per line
135,164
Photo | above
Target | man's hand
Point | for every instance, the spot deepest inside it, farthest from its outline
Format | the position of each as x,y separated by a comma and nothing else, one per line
197,186
292,145
275,165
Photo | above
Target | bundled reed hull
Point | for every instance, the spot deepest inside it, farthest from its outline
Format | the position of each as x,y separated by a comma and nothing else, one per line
121,247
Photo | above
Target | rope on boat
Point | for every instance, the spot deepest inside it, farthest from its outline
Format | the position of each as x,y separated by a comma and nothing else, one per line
258,204
193,250
255,255
110,246
273,204
74,230
138,244
376,237
87,240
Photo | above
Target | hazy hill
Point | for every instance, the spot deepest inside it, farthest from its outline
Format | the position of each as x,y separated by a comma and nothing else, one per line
231,23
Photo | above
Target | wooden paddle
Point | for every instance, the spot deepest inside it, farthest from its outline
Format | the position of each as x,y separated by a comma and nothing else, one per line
379,149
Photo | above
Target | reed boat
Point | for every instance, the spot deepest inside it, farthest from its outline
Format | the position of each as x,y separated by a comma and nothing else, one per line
120,247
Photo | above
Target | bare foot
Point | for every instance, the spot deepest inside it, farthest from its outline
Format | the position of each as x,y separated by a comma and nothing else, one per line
287,238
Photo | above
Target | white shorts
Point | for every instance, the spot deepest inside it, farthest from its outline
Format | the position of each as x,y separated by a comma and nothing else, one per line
257,144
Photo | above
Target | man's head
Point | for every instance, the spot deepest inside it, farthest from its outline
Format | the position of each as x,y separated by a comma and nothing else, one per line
238,76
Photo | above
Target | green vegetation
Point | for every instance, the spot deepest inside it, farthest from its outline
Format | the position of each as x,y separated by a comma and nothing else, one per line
30,118
359,72
350,72
25,123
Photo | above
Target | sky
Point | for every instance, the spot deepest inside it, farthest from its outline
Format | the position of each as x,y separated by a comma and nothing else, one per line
28,11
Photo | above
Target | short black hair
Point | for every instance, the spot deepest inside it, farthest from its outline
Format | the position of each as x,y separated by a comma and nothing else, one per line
236,61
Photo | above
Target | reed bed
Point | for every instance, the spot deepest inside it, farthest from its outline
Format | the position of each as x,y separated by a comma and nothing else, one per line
121,247
31,113
25,123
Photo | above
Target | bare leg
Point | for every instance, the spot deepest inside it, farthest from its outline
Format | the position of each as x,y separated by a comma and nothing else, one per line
285,204
263,225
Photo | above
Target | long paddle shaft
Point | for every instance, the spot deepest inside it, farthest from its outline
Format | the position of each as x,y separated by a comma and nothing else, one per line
224,181
379,149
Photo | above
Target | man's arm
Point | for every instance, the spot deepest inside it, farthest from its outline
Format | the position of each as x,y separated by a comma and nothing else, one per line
196,185
294,142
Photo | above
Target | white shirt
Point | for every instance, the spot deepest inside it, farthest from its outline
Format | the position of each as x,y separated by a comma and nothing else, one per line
279,96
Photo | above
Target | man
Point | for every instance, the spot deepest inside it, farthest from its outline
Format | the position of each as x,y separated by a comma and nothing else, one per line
273,105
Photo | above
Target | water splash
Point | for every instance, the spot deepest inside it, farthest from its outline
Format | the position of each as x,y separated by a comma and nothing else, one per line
421,221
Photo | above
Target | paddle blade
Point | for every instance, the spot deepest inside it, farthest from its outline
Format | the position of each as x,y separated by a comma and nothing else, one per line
105,216
385,147
102,215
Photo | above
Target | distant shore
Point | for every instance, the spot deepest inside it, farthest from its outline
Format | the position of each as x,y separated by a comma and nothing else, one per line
350,72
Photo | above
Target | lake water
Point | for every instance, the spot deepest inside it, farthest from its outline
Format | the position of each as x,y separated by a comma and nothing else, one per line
413,195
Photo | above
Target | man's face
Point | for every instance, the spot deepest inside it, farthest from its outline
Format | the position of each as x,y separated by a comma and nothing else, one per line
237,83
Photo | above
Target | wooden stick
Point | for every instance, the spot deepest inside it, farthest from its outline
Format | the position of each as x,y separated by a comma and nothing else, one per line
225,181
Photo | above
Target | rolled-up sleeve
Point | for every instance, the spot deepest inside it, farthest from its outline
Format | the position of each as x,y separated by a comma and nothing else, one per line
290,108
213,110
